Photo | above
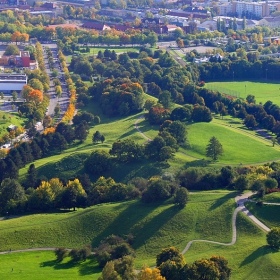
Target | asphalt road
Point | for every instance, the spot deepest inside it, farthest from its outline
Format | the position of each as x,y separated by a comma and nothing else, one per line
64,99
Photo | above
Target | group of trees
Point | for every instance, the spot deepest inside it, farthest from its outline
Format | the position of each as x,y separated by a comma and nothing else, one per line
262,179
173,266
248,66
156,70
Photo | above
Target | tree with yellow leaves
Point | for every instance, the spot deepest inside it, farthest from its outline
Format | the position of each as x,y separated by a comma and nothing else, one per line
150,274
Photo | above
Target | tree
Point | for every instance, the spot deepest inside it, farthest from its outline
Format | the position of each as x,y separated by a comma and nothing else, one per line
10,189
214,148
98,162
250,121
60,253
96,137
181,197
251,98
81,132
171,254
109,272
14,95
96,120
47,121
35,96
31,178
165,98
273,238
241,183
149,103
12,50
150,274
157,190
181,114
201,114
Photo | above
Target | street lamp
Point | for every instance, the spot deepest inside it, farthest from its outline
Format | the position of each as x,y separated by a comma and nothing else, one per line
245,89
233,76
266,73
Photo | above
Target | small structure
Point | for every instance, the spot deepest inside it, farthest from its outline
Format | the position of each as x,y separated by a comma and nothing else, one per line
12,127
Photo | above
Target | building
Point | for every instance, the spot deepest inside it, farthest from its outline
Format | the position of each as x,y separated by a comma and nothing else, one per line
21,60
12,82
271,22
96,26
240,9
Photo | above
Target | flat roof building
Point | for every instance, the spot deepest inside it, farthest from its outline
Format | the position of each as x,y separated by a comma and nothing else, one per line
12,82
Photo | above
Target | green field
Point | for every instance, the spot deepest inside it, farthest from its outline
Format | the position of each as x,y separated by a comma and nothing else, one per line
42,265
268,214
10,118
238,147
207,216
272,197
263,91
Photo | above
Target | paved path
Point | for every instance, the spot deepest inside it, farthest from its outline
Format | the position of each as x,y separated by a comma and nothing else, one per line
240,200
31,250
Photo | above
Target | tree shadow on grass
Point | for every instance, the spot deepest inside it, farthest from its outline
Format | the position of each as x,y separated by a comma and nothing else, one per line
198,163
222,200
151,227
125,221
59,265
89,267
261,251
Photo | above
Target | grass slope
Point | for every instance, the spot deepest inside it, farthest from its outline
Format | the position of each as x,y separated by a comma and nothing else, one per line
207,216
237,146
268,214
263,91
249,258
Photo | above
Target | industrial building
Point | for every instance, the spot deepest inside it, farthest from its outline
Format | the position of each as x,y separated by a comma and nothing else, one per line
12,82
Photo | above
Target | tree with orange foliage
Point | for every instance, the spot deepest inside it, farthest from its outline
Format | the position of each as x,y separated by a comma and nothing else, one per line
19,37
35,96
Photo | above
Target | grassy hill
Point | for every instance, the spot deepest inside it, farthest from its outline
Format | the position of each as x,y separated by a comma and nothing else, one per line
268,214
207,216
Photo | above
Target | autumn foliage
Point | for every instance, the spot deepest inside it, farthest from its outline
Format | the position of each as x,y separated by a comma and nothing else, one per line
35,96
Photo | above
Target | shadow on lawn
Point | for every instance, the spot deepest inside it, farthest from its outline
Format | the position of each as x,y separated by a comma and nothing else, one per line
222,200
58,265
135,219
261,251
90,266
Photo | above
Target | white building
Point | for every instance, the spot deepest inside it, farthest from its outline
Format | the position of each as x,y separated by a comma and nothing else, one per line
12,82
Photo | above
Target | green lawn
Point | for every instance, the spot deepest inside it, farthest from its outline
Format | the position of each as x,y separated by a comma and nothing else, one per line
272,197
263,91
10,118
268,214
238,147
95,50
42,265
